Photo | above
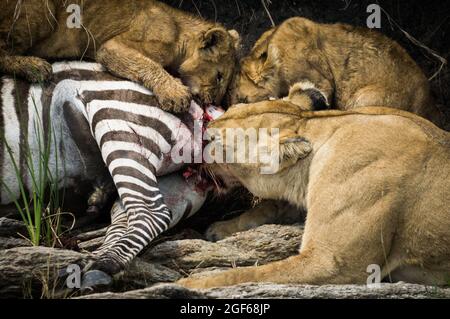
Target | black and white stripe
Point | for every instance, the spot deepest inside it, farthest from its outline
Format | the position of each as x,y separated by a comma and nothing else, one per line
100,120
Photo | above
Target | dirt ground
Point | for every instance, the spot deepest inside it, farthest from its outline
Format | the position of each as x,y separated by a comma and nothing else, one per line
426,21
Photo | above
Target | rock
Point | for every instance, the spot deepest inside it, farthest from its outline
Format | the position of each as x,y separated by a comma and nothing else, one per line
162,291
258,246
95,278
94,234
266,290
141,274
7,243
389,291
92,244
32,271
12,228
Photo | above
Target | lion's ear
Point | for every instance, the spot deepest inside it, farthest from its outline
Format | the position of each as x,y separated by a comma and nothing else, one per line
215,38
262,65
294,148
270,61
236,38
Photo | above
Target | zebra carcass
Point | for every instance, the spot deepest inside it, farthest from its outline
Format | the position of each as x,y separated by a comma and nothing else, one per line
104,127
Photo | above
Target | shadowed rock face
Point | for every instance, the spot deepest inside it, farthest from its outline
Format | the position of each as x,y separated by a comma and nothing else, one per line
166,262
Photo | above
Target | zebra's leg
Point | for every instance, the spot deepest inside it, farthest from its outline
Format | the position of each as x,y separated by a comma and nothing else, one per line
116,230
96,279
182,197
147,217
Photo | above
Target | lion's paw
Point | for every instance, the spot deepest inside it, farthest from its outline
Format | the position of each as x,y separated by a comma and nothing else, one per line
174,97
35,70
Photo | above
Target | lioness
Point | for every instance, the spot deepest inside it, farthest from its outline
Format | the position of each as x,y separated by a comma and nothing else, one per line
135,39
351,66
375,183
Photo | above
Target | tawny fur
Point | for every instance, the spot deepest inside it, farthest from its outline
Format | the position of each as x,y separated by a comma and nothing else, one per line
352,66
376,188
141,40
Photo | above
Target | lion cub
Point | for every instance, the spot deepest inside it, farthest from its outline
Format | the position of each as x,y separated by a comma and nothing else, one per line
351,66
140,40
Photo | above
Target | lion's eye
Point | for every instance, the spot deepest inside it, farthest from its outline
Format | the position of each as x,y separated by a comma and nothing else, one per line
219,77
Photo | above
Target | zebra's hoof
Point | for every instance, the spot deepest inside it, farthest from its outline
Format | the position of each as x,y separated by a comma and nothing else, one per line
95,280
106,265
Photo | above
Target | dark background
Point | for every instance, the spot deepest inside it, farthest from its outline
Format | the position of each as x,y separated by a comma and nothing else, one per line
427,21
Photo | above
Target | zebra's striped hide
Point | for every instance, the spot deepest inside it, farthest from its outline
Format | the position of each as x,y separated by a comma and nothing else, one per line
101,127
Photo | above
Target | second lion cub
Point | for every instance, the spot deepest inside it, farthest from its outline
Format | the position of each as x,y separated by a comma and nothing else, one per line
352,66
